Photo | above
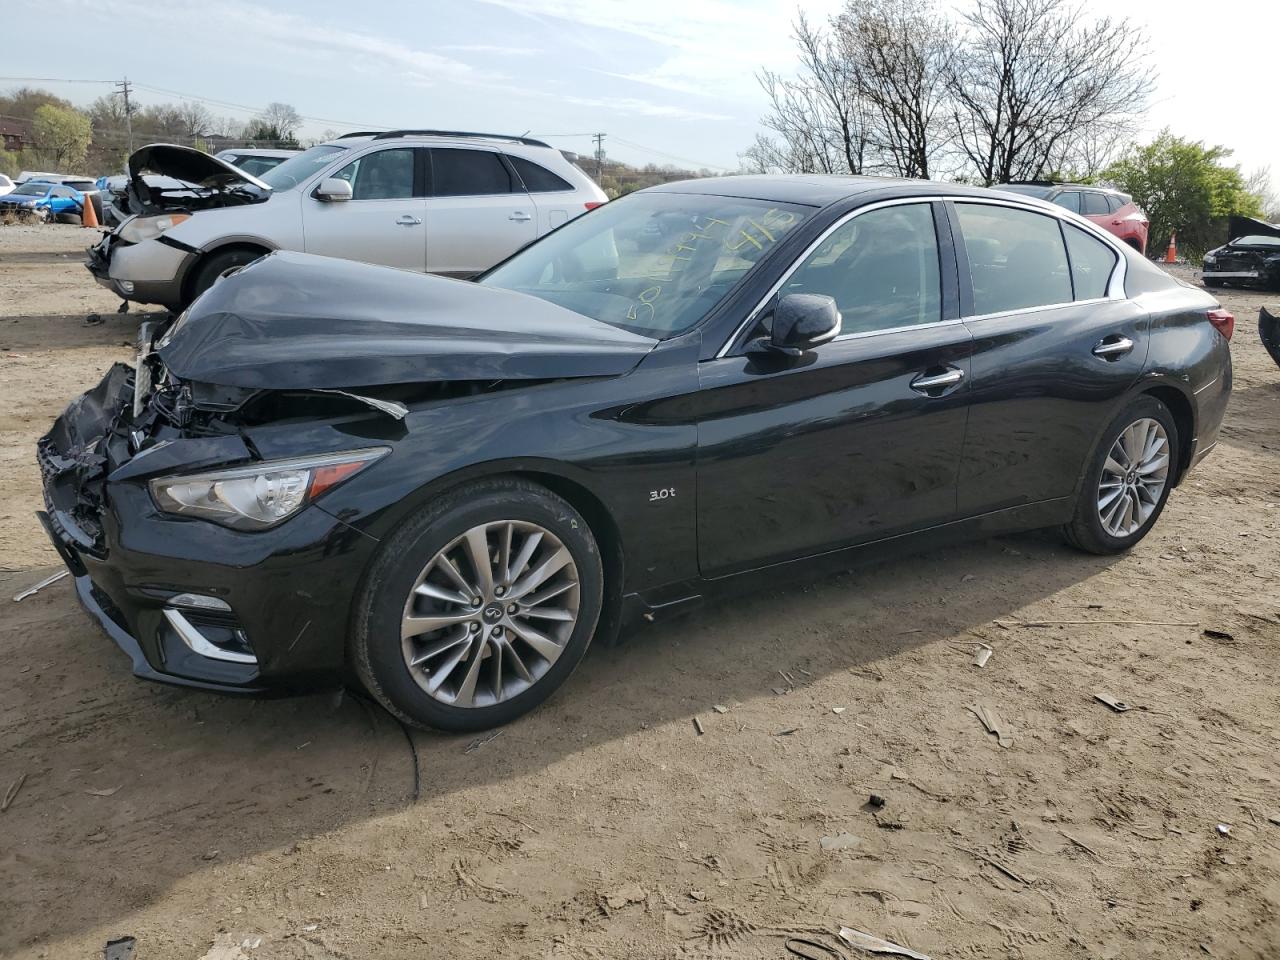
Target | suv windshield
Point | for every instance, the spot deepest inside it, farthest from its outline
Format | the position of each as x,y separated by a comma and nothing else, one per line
293,171
652,263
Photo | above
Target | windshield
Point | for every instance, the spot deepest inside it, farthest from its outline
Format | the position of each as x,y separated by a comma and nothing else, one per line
1256,240
293,171
652,263
32,190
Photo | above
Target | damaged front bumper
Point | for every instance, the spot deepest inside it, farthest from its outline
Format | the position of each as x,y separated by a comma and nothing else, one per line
190,602
152,271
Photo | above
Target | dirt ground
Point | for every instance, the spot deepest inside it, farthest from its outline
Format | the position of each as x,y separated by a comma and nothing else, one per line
604,825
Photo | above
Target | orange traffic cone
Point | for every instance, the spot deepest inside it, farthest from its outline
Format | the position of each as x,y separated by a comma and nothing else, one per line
88,216
1171,255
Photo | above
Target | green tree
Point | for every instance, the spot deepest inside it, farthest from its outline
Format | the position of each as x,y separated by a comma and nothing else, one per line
61,136
1186,186
10,163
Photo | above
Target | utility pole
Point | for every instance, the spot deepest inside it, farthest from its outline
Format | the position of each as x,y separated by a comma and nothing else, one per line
599,139
125,88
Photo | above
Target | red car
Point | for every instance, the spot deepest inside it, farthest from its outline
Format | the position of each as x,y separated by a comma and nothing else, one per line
1112,210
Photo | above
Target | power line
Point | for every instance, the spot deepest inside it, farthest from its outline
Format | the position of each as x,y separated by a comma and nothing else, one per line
670,156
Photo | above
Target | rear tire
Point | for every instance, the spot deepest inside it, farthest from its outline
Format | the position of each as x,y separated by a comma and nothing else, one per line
408,583
217,265
1117,486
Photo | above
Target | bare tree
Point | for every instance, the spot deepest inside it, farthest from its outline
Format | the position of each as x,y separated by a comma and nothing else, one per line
197,120
1261,184
282,118
818,116
898,56
1032,75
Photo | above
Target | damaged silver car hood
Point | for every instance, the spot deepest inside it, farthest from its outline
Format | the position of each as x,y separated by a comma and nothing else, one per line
295,321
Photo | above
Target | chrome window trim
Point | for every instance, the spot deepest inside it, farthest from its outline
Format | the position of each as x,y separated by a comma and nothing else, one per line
1115,286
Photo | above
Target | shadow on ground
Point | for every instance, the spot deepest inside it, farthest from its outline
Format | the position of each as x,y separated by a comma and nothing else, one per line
131,787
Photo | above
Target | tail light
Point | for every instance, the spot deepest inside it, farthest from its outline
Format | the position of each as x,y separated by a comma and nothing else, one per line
592,204
1224,321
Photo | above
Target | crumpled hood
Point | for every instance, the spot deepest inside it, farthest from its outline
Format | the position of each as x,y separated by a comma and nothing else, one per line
169,176
294,321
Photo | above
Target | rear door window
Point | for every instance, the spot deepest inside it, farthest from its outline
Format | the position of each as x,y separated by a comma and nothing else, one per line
468,173
1092,262
1095,205
1017,260
537,178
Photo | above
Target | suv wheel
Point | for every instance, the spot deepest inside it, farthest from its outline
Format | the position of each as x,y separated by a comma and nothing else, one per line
1128,481
217,265
479,607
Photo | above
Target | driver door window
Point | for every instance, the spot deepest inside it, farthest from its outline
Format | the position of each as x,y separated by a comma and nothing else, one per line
385,175
881,267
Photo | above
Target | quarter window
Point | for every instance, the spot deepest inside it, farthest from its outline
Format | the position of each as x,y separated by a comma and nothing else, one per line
1095,205
1016,258
468,173
881,268
538,179
384,175
1091,263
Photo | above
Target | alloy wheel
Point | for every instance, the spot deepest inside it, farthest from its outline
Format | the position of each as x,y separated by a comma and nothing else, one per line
1133,478
490,613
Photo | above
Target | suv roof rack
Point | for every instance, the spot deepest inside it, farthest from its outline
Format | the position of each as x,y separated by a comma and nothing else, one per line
460,134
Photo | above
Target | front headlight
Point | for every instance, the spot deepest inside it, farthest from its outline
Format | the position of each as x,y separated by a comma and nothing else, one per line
260,495
148,228
1210,258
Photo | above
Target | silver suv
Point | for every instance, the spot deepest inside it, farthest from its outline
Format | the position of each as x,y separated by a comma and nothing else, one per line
428,200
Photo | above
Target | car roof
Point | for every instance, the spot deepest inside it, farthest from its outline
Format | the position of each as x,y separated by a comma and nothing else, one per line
820,189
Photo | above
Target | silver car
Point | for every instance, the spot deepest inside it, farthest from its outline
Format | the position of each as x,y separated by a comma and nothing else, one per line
433,201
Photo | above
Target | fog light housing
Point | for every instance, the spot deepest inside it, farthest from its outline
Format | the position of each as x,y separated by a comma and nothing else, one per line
126,286
208,628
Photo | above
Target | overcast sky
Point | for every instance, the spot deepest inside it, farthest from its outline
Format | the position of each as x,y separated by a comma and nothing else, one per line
666,80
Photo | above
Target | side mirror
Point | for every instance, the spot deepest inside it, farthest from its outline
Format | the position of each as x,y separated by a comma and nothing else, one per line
802,321
333,188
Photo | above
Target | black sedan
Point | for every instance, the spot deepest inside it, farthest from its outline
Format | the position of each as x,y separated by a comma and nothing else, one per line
329,471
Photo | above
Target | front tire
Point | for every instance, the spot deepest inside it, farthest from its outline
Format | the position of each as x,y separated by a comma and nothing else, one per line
479,607
1128,480
218,265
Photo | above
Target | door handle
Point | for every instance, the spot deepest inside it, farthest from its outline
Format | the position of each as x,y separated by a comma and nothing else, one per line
520,216
409,221
1112,348
927,382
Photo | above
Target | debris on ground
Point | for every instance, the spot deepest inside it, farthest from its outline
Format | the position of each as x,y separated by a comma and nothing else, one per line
720,708
108,792
991,721
120,949
11,794
841,841
1224,829
93,320
697,725
786,732
1119,706
1220,635
982,655
631,893
479,742
812,949
865,941
32,591
838,710
876,800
